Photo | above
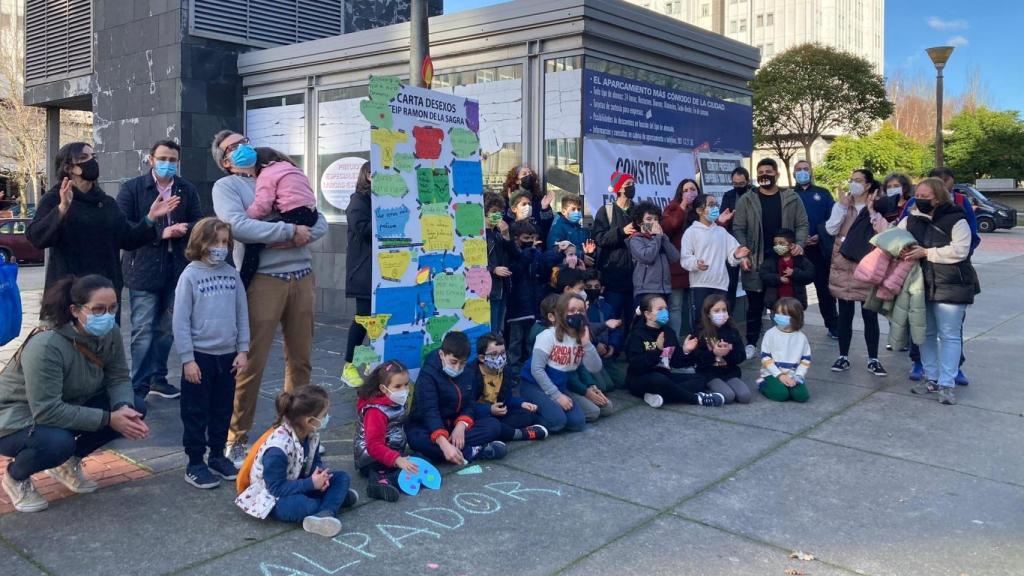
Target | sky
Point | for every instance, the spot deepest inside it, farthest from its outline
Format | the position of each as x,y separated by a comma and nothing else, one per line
985,33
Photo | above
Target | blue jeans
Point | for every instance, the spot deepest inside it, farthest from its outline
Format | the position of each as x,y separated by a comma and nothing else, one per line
297,506
152,337
484,431
940,351
498,315
550,414
679,311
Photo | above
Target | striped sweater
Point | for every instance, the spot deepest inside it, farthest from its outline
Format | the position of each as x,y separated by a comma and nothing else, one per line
785,353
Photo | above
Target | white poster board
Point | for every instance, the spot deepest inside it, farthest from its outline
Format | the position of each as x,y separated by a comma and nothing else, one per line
657,171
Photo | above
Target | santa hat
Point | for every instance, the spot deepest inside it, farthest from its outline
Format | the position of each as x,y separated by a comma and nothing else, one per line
618,179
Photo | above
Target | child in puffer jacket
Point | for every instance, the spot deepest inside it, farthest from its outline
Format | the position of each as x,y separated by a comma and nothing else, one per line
651,250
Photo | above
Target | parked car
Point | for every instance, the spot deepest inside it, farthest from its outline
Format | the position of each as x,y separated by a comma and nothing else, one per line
14,245
991,215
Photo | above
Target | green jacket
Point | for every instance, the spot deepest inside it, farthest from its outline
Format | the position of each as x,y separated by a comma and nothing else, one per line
906,313
746,227
51,380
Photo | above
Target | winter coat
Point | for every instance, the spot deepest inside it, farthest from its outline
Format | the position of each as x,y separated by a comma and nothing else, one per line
886,273
674,222
598,313
500,252
613,257
949,276
747,228
258,500
841,282
379,418
652,255
156,265
562,229
504,394
541,218
706,357
526,292
803,274
358,265
906,312
441,401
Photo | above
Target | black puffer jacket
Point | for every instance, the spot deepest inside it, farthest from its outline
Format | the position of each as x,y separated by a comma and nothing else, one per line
613,258
946,283
358,266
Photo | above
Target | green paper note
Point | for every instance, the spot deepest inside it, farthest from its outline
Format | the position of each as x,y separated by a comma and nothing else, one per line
432,185
378,114
464,142
435,209
469,219
438,326
365,356
388,185
429,348
404,161
384,88
449,291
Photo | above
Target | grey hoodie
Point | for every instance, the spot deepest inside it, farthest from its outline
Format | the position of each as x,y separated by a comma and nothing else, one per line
651,255
210,311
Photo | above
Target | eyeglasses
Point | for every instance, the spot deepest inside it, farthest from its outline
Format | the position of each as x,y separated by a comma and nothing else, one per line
234,146
100,309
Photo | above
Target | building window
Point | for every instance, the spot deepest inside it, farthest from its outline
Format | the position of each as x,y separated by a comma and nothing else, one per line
343,145
732,27
278,122
705,10
769,19
563,118
760,21
769,49
743,24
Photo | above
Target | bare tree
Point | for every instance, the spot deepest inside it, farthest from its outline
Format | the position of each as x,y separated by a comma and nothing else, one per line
22,127
913,99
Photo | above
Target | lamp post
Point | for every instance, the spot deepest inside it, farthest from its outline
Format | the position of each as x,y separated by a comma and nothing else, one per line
419,45
939,55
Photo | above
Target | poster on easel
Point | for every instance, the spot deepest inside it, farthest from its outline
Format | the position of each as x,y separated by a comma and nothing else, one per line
429,249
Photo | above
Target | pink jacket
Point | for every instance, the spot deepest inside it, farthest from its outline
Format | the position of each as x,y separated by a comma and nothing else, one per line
880,269
281,187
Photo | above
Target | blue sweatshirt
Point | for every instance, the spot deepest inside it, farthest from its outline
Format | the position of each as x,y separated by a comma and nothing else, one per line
818,205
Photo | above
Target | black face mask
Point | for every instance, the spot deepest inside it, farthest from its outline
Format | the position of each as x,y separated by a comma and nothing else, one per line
629,191
881,204
766,181
575,321
528,182
740,190
593,294
90,170
924,206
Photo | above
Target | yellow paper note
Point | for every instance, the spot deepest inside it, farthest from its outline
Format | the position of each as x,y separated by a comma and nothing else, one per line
477,310
393,264
387,139
474,251
374,325
439,234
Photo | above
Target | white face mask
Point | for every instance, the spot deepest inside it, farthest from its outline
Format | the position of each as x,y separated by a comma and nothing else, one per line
897,191
524,211
856,188
399,397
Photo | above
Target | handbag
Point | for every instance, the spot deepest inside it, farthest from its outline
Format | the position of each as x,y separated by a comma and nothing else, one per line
10,302
857,243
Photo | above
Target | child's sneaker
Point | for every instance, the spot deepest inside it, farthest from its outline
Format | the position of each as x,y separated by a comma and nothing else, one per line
842,364
351,499
351,376
876,368
200,476
751,351
236,453
654,400
222,467
534,433
710,399
165,390
23,494
322,523
946,396
71,475
929,387
493,451
382,490
916,372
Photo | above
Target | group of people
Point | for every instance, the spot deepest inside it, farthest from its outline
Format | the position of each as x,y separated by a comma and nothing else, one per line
642,300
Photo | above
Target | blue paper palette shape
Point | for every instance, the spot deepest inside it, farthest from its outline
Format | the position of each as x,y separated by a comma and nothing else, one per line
428,476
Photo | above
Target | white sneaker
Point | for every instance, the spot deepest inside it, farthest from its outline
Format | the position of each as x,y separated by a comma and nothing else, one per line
23,494
327,526
71,475
751,351
236,453
654,400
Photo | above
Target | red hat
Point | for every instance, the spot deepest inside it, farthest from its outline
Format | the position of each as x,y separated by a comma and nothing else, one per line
618,179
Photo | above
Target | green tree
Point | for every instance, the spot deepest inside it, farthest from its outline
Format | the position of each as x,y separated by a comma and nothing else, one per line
984,143
883,152
810,90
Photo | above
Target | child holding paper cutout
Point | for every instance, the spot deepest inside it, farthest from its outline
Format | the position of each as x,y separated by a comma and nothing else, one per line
380,437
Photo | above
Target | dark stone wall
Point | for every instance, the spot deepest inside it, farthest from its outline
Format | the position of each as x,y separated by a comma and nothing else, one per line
367,14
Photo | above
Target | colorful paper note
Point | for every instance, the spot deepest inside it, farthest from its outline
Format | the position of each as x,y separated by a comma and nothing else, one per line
394,264
404,347
375,325
384,88
438,326
438,233
428,142
391,221
449,291
479,281
475,251
388,185
441,262
472,115
467,177
378,114
464,142
432,185
469,219
477,310
365,356
404,161
387,140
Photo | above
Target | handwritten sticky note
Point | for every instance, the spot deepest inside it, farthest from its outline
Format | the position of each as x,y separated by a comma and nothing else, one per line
464,142
425,308
479,281
432,185
475,251
428,142
472,115
384,88
444,262
404,161
394,264
469,219
449,291
404,347
387,140
438,209
374,325
391,221
467,177
365,356
405,304
438,326
378,114
477,310
438,234
388,185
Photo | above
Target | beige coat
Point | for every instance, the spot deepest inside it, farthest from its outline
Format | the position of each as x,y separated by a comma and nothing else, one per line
841,282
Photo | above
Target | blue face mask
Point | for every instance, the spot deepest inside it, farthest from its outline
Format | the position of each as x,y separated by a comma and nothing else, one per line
99,324
781,320
453,372
166,168
244,156
713,214
802,176
218,254
575,217
661,317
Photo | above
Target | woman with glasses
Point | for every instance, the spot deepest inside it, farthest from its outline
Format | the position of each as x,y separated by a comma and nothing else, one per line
82,226
66,392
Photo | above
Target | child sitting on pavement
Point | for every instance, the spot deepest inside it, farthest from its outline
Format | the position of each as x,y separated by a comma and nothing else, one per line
380,437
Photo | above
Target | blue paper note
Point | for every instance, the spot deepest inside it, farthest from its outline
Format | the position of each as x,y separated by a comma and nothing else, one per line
391,222
474,333
440,262
406,304
467,177
404,347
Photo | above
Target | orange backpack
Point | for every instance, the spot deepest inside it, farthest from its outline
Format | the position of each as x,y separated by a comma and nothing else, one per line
242,481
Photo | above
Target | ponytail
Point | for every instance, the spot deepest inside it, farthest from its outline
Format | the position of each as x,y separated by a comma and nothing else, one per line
66,292
304,402
645,306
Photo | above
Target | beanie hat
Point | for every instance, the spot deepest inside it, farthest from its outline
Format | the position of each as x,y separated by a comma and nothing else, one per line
618,179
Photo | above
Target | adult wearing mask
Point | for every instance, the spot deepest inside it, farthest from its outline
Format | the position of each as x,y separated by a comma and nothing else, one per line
818,203
674,222
613,225
151,272
944,251
898,191
523,180
282,293
358,269
82,226
740,186
759,215
66,392
853,222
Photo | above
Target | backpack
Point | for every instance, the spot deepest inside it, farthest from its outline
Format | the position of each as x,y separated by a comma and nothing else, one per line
243,481
10,302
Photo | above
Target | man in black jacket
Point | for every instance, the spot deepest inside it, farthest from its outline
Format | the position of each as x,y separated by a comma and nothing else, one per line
740,186
151,272
613,224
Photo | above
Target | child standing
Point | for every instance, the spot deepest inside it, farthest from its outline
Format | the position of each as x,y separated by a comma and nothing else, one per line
492,391
653,350
785,354
443,424
721,351
705,250
282,187
211,332
288,481
567,225
500,252
784,274
651,250
380,438
523,296
557,353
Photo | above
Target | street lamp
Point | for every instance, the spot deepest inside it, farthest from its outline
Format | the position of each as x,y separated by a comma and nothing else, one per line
939,55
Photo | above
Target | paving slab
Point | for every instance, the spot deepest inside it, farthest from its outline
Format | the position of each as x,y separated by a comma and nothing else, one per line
871,513
671,546
971,440
15,565
651,457
499,522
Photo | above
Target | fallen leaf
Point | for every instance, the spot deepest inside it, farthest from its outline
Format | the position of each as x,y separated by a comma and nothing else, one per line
798,555
794,572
